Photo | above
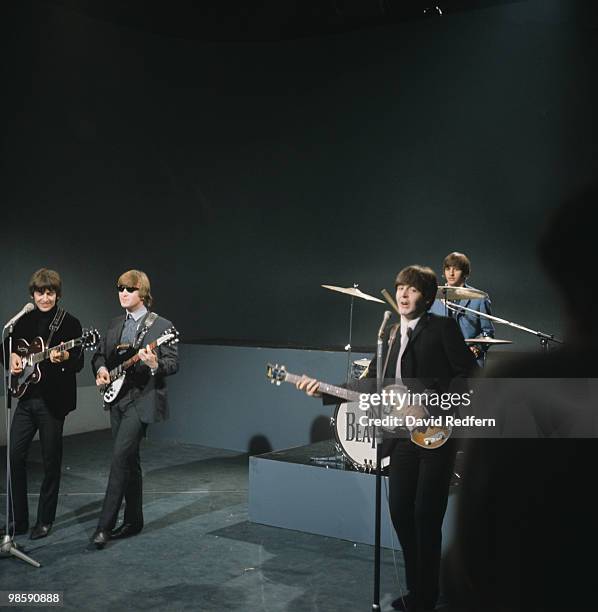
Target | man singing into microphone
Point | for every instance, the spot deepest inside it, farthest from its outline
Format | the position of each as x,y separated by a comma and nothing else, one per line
142,400
44,406
424,351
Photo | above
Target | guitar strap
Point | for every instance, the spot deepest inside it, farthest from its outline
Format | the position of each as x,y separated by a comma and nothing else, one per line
149,321
56,323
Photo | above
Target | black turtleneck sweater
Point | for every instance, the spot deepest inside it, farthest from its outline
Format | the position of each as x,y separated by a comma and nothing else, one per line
57,386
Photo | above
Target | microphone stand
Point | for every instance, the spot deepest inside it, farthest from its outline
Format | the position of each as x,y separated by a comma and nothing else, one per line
378,438
544,338
7,543
348,347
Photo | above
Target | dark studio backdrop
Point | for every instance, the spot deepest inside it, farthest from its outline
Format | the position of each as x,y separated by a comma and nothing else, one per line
242,174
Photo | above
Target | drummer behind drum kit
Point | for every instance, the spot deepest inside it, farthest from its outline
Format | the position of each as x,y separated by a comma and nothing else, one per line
356,443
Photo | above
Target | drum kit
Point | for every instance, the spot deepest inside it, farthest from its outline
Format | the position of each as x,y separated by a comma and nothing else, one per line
356,445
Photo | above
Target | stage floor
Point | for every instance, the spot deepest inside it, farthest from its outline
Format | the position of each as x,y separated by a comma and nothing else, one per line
198,550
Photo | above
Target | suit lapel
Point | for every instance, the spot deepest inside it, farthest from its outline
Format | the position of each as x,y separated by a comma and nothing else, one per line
114,334
417,331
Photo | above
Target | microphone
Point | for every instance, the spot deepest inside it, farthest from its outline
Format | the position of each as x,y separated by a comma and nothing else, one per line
27,308
387,314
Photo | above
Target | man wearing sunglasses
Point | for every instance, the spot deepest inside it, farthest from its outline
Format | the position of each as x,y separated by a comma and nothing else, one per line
142,399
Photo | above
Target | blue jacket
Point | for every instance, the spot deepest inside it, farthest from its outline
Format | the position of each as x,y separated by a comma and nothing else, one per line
470,325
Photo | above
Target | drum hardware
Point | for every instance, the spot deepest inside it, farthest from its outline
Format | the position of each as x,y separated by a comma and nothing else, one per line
487,340
544,338
451,292
353,292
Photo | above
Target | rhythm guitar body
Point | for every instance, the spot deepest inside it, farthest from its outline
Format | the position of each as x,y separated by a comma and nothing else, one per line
31,372
110,392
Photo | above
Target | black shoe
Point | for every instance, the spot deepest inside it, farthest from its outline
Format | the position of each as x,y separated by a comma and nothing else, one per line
15,528
126,530
40,531
100,538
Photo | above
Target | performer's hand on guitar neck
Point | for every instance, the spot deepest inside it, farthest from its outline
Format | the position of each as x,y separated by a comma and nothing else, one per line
59,356
309,385
102,377
149,357
16,364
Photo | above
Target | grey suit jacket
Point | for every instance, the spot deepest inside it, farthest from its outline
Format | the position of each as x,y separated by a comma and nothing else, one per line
146,393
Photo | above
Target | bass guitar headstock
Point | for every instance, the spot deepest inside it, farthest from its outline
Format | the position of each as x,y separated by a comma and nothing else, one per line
276,373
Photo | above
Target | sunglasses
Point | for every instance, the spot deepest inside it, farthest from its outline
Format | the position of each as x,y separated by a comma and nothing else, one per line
122,288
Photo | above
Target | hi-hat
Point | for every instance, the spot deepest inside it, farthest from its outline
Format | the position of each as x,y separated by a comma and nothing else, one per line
354,292
459,293
487,340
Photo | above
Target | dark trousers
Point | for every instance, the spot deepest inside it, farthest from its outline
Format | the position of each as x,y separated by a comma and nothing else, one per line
125,479
32,415
419,483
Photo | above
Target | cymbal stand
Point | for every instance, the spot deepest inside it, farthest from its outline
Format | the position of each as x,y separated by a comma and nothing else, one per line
348,346
543,337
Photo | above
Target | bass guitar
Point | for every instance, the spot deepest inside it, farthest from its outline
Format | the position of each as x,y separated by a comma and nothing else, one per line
112,390
394,411
32,354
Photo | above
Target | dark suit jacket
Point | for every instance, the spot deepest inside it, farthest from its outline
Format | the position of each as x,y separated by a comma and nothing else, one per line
58,385
147,393
436,357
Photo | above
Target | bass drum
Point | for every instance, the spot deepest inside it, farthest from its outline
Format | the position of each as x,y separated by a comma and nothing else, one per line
356,442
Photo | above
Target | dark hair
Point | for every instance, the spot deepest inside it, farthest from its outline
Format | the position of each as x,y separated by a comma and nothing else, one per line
459,261
422,278
44,279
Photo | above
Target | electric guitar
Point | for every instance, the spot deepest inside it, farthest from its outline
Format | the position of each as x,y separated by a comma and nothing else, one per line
32,354
426,436
112,390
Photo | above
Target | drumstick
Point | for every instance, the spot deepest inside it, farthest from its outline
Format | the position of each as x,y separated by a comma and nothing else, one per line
389,299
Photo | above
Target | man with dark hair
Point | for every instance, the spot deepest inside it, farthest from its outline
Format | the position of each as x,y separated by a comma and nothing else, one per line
142,400
456,269
424,351
43,406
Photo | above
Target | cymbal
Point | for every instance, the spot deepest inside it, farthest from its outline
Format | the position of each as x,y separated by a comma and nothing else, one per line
487,340
354,292
459,293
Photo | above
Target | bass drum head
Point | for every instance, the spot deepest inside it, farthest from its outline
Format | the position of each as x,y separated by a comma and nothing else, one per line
357,442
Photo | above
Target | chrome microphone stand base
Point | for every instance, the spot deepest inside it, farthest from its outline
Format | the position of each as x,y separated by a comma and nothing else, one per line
9,548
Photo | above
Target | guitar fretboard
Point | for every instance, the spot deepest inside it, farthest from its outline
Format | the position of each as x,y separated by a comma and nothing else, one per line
45,354
125,365
346,394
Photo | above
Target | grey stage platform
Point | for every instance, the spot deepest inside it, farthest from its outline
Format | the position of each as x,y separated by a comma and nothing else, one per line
289,490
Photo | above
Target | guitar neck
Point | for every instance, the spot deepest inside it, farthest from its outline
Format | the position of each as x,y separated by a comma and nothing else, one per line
63,346
125,365
341,392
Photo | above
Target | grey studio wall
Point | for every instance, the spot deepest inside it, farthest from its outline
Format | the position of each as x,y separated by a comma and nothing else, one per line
242,175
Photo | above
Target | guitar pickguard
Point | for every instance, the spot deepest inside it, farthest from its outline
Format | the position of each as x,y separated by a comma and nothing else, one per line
31,373
111,391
